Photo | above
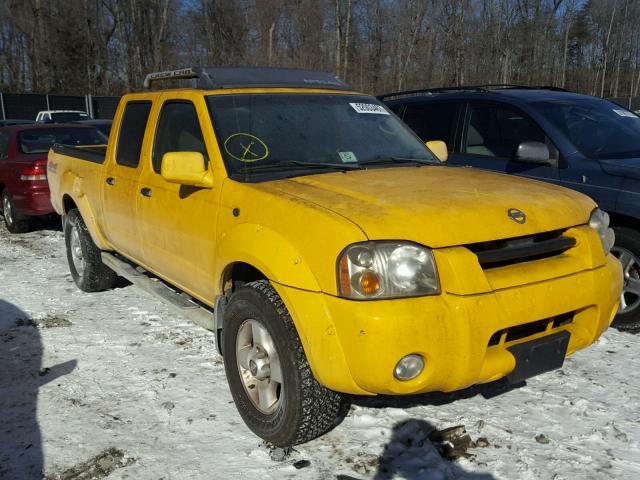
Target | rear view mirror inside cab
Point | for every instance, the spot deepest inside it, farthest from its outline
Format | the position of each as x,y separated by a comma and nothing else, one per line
439,149
186,168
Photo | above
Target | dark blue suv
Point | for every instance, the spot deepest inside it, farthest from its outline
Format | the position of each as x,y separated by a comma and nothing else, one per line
577,141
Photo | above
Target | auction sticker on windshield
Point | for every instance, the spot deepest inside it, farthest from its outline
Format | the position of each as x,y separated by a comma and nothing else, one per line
369,108
348,157
624,113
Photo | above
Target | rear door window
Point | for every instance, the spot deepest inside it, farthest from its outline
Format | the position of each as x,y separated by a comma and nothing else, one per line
433,121
178,131
132,128
496,131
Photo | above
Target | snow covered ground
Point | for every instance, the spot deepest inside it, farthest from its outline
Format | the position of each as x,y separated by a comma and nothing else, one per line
114,384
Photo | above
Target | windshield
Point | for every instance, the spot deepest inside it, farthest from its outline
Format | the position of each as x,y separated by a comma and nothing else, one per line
290,132
63,117
599,129
40,140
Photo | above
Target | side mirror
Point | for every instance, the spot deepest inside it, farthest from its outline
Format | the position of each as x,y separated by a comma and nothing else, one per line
186,168
534,152
439,149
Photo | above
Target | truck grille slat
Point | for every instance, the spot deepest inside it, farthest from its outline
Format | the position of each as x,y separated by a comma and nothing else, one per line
521,249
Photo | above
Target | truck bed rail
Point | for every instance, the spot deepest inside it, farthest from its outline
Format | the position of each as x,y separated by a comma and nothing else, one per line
90,153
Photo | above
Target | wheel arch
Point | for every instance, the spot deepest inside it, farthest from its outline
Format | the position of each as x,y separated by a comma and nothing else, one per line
83,206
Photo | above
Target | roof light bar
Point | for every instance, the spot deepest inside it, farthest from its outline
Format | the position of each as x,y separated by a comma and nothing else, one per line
210,78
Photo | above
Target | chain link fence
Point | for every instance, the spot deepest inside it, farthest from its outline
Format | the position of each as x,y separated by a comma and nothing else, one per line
26,106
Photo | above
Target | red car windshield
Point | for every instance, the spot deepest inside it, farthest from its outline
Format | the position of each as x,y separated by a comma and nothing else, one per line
40,140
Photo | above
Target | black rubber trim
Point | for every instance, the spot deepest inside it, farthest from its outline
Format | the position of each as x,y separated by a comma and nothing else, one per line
94,155
519,252
538,356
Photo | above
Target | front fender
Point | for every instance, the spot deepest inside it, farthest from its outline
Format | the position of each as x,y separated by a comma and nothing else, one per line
291,276
269,252
629,199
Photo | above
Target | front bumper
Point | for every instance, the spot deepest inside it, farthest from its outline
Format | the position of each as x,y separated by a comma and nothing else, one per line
353,346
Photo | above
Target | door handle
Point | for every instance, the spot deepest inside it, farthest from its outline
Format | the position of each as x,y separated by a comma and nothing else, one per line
146,192
111,181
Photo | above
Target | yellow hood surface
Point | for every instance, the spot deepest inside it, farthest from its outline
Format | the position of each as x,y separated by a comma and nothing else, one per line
440,206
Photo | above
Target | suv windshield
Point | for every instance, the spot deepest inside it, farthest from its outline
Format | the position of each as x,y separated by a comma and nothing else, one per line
40,140
299,133
599,129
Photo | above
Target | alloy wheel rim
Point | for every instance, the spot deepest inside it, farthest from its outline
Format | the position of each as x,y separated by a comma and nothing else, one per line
77,256
630,297
259,366
8,212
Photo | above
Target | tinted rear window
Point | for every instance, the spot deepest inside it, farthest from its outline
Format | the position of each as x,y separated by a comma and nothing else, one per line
134,124
64,117
40,140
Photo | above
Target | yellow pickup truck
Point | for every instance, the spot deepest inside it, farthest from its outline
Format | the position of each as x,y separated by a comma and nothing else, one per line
327,247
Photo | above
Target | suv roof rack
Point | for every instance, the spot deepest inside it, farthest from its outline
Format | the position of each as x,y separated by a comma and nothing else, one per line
211,78
489,87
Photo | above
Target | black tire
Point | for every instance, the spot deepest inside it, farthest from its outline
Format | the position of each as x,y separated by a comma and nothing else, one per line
628,240
14,223
305,409
94,276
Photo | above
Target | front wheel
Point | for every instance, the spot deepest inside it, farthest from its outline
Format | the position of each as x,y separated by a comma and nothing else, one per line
271,382
85,261
627,250
13,223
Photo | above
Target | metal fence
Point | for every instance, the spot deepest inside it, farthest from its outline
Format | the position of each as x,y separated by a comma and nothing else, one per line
27,105
632,103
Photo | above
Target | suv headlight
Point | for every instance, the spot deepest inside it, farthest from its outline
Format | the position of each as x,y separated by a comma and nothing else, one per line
599,221
387,269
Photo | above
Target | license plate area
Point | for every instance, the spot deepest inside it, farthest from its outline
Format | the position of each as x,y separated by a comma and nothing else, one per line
538,356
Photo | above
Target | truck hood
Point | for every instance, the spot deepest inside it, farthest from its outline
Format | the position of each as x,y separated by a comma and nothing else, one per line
440,206
624,167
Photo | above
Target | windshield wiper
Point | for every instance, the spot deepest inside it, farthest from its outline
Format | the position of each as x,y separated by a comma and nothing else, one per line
384,159
287,164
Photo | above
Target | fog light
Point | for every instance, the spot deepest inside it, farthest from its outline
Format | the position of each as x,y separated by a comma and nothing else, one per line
409,367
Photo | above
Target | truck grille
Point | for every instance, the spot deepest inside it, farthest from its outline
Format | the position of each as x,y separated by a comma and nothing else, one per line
499,253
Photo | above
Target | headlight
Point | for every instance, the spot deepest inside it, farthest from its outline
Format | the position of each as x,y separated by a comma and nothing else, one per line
385,269
599,221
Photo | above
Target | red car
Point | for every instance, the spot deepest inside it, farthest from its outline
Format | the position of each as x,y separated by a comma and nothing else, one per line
23,168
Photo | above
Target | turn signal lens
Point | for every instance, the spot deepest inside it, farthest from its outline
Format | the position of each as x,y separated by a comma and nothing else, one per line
369,283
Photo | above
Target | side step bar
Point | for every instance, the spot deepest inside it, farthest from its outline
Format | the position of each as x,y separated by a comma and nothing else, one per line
180,302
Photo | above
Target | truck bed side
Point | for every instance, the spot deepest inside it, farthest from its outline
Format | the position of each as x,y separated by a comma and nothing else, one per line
75,177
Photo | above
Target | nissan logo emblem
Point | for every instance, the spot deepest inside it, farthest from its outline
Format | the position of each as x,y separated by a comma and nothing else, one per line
517,216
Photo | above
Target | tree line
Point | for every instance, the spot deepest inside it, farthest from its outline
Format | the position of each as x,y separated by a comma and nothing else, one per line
105,47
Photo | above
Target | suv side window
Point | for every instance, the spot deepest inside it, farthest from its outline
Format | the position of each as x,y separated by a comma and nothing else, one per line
4,145
178,131
496,131
131,135
433,121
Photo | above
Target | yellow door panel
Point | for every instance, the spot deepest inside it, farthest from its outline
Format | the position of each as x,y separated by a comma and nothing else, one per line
178,222
120,191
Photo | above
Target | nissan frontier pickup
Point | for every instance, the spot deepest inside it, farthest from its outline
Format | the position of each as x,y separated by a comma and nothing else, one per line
327,247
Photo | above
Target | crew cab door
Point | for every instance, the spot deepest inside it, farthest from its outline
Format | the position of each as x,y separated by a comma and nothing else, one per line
178,222
490,137
120,187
